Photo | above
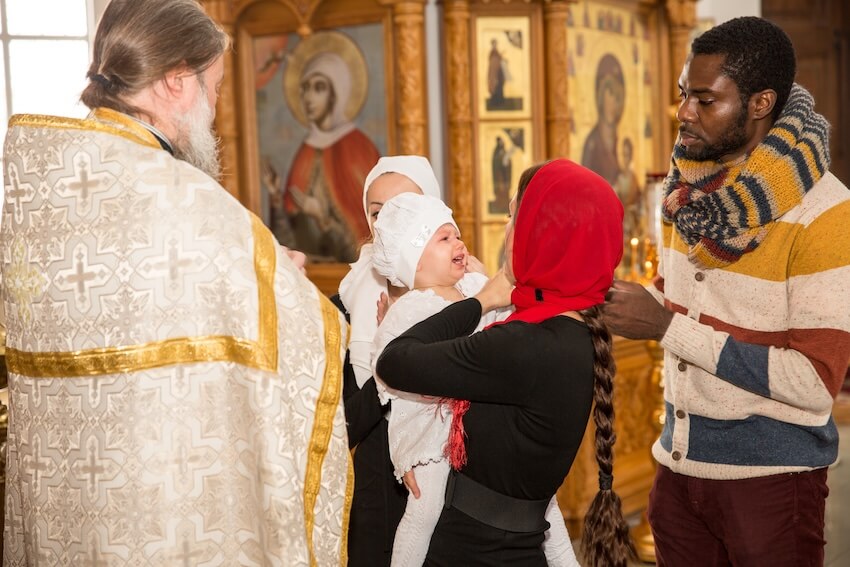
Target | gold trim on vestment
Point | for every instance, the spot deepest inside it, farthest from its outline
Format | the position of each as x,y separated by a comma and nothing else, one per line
260,354
129,128
265,264
346,511
326,408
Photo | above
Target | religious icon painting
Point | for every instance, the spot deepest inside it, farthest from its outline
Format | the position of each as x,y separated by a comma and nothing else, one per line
503,61
321,119
504,151
608,78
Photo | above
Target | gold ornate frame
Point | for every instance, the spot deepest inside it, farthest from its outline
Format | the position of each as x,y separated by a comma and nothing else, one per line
243,20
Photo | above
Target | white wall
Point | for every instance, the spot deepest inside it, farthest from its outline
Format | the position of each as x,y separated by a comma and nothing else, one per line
724,10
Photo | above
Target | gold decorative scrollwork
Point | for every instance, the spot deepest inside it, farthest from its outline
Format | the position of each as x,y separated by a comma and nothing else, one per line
461,159
409,19
557,115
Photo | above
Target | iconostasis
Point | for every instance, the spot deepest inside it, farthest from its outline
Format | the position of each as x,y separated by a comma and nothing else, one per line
525,81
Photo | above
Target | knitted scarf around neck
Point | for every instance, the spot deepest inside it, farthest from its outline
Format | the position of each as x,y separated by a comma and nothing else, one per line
724,211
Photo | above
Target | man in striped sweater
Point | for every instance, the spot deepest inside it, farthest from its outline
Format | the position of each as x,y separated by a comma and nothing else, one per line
752,307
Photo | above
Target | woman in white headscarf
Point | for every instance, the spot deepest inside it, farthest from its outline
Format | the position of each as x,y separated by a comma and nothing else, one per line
379,501
319,204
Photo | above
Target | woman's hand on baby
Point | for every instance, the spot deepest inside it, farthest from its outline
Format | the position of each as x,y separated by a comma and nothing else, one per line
387,299
383,306
496,292
410,482
474,265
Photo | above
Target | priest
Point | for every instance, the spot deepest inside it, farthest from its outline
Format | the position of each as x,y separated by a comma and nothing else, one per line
174,378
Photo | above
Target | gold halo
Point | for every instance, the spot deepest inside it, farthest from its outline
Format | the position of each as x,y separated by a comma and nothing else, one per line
324,42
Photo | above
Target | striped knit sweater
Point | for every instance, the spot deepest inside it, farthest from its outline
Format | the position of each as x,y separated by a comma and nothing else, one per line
758,349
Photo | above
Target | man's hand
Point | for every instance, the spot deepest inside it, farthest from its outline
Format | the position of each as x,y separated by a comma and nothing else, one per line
298,258
631,312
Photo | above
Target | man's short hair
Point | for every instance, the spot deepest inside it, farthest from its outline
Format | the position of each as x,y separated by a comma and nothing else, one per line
758,56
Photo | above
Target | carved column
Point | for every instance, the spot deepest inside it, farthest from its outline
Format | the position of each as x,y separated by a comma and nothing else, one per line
459,107
682,16
226,123
557,113
409,24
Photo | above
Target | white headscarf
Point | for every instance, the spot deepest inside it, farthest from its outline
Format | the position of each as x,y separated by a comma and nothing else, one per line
334,69
361,288
416,168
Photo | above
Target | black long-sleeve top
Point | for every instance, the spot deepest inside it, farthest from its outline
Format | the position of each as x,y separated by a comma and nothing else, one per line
363,409
531,388
379,500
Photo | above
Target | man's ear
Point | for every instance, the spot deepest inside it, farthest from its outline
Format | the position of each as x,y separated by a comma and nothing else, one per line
762,103
172,84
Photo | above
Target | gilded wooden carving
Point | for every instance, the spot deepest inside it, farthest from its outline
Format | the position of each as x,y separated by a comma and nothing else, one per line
459,104
409,23
682,15
557,108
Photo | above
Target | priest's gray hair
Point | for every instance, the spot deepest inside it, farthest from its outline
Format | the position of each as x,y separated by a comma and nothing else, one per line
139,41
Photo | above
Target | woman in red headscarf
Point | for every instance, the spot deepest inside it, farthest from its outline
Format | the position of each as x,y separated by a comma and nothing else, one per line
531,381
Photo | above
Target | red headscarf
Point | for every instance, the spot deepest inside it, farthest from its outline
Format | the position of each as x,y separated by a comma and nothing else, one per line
568,239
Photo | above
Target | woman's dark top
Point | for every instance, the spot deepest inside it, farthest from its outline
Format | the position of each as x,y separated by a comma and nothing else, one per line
379,500
531,388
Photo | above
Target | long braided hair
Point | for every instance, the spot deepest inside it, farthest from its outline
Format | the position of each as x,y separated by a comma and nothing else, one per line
605,538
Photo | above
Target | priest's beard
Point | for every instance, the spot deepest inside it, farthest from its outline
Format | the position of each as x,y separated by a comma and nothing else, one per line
198,144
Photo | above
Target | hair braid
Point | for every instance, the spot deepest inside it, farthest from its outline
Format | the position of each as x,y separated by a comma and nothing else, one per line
605,541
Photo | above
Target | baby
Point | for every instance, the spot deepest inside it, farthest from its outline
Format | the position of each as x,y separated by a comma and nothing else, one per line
417,246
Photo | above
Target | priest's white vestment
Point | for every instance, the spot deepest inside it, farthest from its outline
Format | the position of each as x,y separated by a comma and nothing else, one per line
175,381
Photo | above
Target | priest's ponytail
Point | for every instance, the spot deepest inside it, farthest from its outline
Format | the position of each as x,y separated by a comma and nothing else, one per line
139,41
605,541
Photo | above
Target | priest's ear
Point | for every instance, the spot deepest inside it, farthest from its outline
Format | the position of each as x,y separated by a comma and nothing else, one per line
177,87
